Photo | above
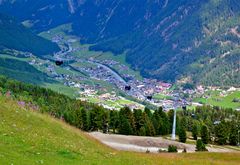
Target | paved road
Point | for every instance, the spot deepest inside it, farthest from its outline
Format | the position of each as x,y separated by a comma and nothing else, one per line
115,74
134,90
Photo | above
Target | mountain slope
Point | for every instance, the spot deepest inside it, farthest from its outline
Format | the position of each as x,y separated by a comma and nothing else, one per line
188,41
22,71
169,40
13,35
39,139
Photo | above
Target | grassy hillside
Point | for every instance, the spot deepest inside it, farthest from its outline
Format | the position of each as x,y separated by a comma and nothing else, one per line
13,35
216,99
28,137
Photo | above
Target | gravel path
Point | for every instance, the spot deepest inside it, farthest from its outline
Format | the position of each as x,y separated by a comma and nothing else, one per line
142,144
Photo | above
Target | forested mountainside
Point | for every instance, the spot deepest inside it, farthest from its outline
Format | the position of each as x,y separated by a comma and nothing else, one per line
169,40
22,71
14,35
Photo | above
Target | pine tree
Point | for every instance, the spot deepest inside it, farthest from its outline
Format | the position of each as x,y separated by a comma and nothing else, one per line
182,134
233,137
96,118
84,122
125,127
105,125
142,131
164,125
148,112
222,133
195,130
200,146
138,118
78,119
184,123
156,121
150,131
205,134
127,113
113,123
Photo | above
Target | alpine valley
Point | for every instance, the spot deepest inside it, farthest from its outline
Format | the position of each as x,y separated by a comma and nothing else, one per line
196,41
84,81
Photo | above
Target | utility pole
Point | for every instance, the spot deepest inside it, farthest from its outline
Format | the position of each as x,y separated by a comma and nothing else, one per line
175,118
174,124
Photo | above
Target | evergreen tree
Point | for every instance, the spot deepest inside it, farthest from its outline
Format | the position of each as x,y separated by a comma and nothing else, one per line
205,134
149,128
200,146
184,123
127,113
78,119
233,137
170,115
156,121
164,124
222,133
195,130
113,123
182,134
84,121
142,131
148,112
105,125
125,127
96,118
138,118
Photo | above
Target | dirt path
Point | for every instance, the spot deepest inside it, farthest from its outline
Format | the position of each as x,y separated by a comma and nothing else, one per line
142,144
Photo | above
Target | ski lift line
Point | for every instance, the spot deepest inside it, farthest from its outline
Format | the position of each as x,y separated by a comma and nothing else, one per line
174,125
176,105
149,97
59,63
127,88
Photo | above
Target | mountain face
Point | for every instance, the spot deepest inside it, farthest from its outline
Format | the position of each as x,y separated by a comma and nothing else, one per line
197,40
13,35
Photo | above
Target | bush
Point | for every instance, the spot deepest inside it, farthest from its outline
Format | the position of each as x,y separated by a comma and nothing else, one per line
200,146
172,148
148,151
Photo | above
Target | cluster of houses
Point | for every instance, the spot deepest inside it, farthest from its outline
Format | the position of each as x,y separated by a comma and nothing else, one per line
105,70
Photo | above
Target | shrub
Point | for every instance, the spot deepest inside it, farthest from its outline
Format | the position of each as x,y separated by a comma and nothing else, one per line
148,151
172,148
200,146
